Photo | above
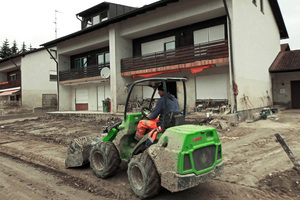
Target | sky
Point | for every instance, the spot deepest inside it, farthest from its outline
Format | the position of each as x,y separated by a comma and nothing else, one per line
32,21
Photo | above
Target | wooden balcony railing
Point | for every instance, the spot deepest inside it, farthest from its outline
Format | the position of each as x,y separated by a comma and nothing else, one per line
182,55
85,72
10,84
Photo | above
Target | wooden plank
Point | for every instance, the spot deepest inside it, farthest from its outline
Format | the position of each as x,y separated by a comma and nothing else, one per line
288,152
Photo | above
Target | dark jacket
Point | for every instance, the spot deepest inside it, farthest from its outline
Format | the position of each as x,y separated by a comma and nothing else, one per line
172,105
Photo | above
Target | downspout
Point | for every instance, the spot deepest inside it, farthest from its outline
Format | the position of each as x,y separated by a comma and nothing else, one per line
13,62
234,107
57,80
80,21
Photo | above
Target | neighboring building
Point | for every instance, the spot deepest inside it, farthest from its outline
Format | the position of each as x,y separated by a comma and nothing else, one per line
223,48
29,78
285,73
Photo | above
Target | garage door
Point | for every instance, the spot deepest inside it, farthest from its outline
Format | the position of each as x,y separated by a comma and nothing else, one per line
103,93
81,99
212,86
295,94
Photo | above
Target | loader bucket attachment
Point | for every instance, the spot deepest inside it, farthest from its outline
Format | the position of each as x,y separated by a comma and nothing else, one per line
79,150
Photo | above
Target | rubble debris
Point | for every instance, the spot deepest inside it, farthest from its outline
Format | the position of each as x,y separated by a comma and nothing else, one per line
223,125
215,106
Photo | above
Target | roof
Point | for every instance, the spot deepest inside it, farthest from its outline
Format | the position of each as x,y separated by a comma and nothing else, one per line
274,5
21,54
101,6
116,19
286,61
279,19
93,9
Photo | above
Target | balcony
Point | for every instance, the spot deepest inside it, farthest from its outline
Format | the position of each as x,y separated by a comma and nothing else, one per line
85,72
210,53
10,84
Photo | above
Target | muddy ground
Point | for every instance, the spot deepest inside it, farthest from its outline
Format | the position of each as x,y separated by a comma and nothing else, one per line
32,153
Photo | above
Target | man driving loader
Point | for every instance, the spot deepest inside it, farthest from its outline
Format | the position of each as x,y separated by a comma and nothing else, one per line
155,118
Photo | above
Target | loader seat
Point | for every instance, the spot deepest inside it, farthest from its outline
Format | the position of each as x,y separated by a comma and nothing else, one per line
174,119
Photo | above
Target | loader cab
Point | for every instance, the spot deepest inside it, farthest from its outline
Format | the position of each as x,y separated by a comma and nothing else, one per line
154,83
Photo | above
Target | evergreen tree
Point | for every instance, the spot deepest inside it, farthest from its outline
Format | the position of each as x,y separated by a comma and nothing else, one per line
14,48
23,48
5,50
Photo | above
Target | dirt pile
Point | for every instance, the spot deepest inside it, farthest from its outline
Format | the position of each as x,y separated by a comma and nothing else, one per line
286,182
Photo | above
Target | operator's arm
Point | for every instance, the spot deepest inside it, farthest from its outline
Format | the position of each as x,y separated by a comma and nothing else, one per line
157,110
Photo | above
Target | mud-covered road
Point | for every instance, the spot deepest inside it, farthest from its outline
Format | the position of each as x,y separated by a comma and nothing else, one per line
32,154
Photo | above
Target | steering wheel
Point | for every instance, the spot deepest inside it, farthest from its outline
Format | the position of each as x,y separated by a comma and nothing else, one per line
145,111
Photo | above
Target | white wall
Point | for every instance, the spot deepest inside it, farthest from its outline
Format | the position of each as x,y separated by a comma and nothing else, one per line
172,16
119,47
256,43
90,41
66,98
35,77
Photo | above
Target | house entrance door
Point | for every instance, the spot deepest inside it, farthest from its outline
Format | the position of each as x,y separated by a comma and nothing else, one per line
295,94
81,99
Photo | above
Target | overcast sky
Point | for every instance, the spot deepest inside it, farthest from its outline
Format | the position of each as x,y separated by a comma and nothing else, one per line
32,21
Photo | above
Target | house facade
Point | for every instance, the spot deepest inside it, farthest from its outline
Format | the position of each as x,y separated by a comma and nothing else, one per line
285,73
223,48
29,79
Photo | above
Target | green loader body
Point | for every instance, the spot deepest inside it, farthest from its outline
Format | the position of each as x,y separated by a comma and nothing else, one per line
181,157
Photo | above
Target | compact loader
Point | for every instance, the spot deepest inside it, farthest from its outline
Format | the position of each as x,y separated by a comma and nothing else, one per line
181,157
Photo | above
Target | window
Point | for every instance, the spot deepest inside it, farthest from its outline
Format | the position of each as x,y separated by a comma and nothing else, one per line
103,16
262,6
53,75
80,62
88,22
168,46
254,2
96,19
103,58
13,77
159,45
211,34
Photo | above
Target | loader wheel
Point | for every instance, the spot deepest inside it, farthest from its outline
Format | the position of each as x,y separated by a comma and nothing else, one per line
143,177
104,159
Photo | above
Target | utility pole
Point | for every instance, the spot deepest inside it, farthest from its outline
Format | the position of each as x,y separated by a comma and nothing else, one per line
55,22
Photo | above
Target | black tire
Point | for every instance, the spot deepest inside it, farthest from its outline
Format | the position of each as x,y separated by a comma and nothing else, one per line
104,159
143,177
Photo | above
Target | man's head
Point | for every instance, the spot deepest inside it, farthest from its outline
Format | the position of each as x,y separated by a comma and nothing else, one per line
161,89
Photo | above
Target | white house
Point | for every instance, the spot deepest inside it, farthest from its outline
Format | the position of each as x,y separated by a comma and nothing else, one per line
30,78
223,47
285,73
